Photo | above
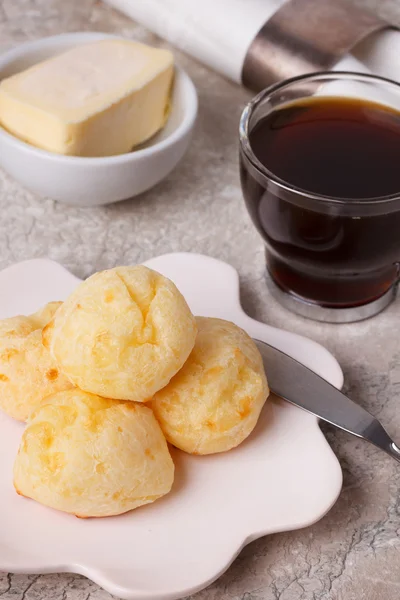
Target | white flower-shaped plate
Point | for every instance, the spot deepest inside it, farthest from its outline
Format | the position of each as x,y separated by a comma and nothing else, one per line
284,476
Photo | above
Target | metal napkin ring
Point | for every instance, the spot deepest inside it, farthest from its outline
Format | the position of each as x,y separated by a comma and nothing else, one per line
305,36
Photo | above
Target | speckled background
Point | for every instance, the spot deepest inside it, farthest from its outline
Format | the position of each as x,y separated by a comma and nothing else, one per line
354,552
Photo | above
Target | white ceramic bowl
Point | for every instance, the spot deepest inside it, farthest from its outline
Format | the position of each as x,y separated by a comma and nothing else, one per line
82,181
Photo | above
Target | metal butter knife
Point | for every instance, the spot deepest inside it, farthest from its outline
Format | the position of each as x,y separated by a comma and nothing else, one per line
299,385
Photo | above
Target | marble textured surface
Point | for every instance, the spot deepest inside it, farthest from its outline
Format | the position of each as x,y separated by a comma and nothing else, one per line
354,552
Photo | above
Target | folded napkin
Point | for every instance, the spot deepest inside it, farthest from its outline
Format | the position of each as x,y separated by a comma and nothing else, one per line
219,33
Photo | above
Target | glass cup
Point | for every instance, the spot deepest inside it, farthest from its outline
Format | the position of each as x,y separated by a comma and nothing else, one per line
329,259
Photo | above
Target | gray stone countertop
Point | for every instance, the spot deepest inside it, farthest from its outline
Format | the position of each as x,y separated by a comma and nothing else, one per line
354,552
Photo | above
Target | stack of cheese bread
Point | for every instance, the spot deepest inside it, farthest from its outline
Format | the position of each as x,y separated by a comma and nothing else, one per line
107,378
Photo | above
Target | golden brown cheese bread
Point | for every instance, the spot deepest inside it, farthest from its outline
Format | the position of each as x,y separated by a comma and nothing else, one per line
123,333
214,402
93,457
27,372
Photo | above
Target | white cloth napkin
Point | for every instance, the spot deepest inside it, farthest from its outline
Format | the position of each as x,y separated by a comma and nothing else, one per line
218,33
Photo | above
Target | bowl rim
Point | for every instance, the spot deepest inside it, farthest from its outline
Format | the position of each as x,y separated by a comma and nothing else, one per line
189,113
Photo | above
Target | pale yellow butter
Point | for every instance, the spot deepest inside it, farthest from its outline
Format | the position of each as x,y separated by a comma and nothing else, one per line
97,99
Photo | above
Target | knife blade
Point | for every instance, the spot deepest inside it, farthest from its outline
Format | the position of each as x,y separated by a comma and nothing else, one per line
300,386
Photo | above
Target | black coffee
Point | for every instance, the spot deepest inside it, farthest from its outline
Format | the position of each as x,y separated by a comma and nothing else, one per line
333,147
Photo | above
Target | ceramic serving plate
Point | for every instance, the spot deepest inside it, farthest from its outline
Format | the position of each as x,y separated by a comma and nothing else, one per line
284,476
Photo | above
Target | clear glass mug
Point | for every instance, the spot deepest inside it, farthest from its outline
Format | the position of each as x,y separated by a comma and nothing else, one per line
349,270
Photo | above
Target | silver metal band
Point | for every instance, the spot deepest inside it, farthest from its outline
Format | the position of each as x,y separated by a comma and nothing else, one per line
305,36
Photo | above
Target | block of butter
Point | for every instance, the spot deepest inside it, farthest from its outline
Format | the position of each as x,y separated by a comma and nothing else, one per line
98,99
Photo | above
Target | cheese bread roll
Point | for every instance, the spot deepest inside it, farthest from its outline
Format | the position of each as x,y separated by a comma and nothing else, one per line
93,457
214,402
123,333
27,372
